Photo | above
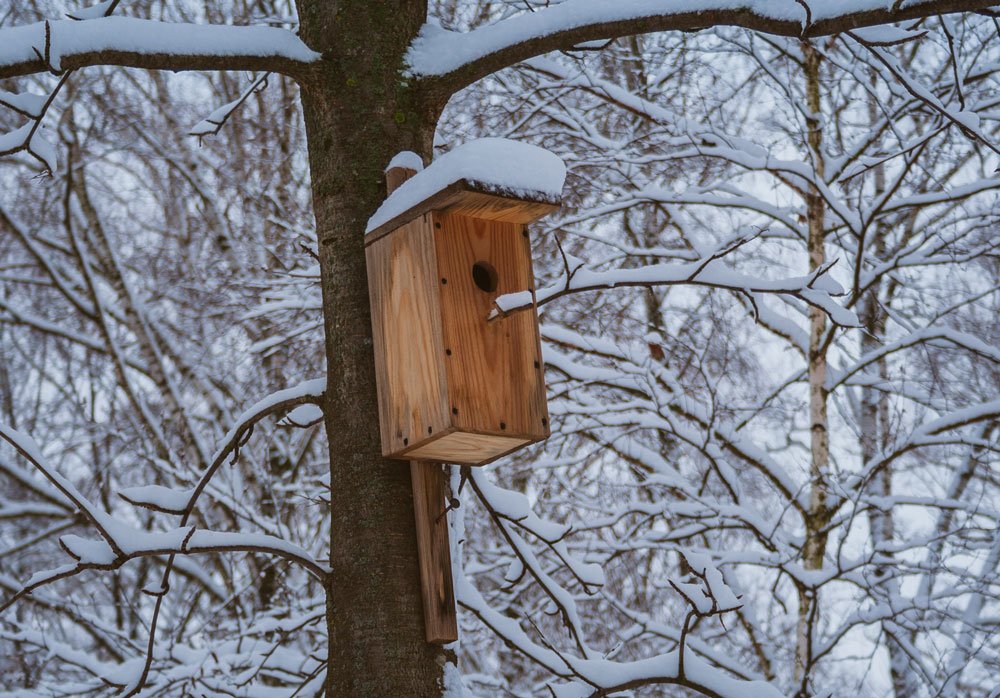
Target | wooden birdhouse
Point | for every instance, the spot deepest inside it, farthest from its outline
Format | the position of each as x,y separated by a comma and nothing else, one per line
459,382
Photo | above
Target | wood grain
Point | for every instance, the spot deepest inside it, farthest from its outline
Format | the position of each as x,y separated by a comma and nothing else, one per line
406,327
464,448
473,199
396,176
454,386
437,585
495,380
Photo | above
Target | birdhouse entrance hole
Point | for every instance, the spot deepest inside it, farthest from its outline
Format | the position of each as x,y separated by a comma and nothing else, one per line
484,275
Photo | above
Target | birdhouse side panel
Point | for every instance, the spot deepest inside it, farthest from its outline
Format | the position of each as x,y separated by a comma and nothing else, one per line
494,373
408,344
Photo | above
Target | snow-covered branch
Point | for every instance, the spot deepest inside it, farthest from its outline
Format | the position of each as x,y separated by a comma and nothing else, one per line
816,289
461,58
593,674
61,45
120,542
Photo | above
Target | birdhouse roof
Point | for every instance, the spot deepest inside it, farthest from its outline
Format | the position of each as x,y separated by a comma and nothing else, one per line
491,178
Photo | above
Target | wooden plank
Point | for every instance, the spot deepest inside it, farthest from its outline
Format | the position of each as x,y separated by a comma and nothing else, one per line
402,282
496,207
395,176
465,448
474,199
437,585
455,387
406,328
493,368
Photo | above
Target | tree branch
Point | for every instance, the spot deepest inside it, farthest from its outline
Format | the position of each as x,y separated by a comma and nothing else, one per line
705,272
63,45
457,59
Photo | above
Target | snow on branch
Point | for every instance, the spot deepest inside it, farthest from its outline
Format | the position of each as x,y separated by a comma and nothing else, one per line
28,137
119,542
591,678
939,336
817,288
663,394
27,447
588,672
967,121
937,432
213,123
62,45
462,58
27,104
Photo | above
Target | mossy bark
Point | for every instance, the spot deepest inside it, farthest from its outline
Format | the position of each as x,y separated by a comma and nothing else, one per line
359,112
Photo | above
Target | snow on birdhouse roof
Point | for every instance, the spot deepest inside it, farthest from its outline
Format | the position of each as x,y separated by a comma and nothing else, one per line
494,166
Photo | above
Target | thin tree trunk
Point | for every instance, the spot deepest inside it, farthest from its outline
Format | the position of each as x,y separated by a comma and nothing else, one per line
359,112
817,516
874,437
874,425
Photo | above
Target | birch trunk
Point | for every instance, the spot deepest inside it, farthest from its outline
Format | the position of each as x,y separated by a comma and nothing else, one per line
817,515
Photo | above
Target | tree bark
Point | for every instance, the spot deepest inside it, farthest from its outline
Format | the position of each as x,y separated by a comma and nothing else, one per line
359,112
817,516
874,426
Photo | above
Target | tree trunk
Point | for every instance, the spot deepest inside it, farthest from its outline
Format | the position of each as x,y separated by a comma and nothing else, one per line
817,516
359,112
874,427
874,423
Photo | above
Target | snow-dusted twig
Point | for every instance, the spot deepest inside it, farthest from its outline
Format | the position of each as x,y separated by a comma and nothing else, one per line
816,289
968,123
213,123
120,542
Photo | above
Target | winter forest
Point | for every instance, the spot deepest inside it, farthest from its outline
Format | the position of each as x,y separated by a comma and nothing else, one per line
769,310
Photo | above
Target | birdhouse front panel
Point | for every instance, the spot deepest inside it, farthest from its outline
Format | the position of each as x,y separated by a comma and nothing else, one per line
494,371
